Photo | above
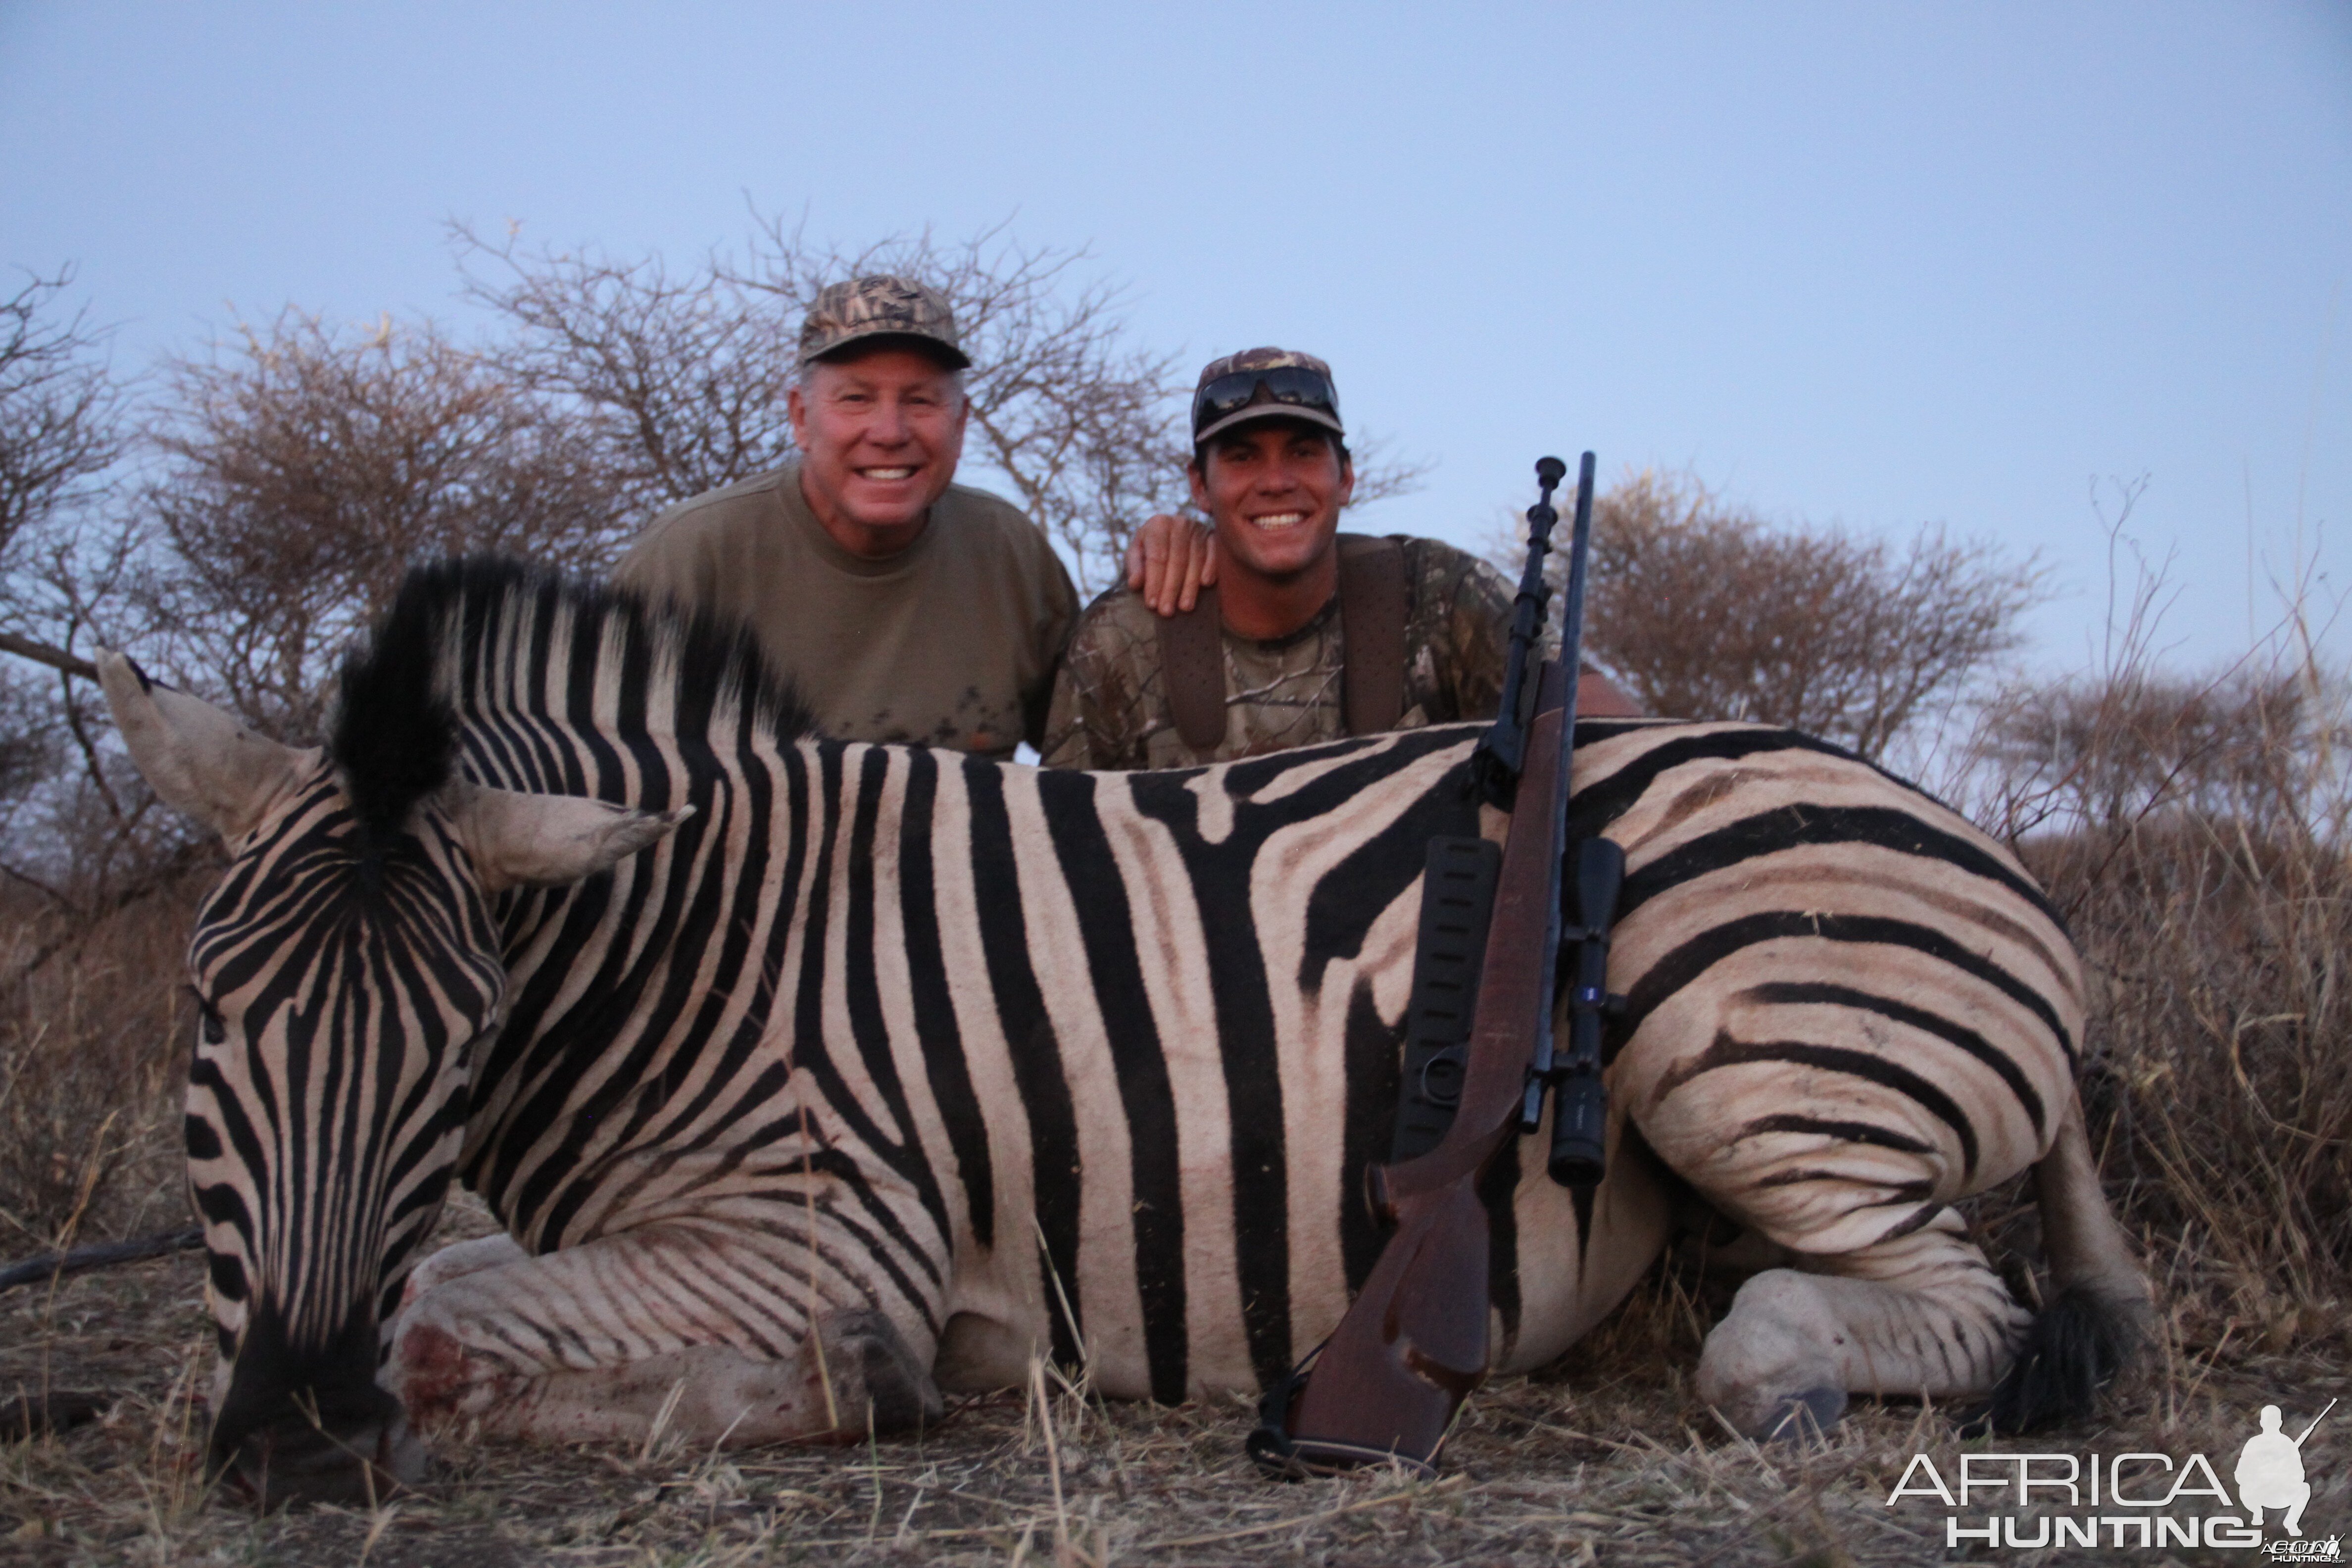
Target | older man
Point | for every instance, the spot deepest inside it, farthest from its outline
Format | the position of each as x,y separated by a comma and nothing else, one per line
1308,635
905,607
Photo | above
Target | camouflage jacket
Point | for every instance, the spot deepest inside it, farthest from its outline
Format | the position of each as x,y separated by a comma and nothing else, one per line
1110,705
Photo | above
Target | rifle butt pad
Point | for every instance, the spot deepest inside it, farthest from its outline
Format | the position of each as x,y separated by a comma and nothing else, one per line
1386,1385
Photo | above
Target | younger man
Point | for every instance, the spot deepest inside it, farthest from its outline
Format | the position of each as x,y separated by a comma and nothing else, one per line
1269,644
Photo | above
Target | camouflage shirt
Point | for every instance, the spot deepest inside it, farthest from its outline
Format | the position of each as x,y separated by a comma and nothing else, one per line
1110,703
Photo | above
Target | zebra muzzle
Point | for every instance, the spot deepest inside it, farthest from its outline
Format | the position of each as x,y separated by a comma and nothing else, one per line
312,1426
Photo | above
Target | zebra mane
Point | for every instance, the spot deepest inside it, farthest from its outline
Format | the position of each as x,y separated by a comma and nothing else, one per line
397,734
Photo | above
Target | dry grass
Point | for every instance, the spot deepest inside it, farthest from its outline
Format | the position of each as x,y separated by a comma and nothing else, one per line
1603,1458
2220,1069
94,1063
2196,834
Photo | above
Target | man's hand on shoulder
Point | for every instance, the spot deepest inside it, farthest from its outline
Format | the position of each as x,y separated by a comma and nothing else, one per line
1170,560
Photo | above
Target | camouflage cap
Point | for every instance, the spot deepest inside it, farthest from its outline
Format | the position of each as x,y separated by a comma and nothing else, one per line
1263,384
880,305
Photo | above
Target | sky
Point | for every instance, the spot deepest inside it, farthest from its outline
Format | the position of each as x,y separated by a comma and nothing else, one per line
1987,266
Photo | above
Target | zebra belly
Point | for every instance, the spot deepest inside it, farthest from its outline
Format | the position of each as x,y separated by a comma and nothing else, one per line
1572,1262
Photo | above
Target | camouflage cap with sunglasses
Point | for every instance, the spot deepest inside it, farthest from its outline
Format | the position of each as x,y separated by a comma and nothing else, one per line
878,307
1263,384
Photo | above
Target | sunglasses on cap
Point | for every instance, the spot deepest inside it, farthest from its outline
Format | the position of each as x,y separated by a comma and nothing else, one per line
1292,386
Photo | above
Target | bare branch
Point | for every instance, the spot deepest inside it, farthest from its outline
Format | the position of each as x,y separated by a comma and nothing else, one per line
676,381
56,658
53,895
1380,476
60,412
51,1266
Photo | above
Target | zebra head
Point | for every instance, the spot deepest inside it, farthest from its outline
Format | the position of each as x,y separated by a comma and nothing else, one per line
345,968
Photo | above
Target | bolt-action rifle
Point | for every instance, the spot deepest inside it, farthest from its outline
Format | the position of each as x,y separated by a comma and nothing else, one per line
1387,1383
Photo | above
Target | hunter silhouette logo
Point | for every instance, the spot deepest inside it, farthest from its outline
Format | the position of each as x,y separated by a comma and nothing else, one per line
2270,1475
2140,1499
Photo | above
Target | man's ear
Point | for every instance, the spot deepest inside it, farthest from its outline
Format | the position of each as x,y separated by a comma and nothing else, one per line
198,759
521,840
1197,472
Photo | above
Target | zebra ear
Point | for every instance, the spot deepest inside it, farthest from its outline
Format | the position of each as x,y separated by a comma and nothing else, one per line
198,759
520,840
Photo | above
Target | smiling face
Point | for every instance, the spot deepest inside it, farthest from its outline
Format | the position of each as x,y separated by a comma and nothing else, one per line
1274,489
879,437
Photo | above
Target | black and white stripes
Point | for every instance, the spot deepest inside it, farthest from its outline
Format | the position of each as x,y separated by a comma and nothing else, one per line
956,1059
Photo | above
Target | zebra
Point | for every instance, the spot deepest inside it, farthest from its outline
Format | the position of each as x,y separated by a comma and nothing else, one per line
811,1078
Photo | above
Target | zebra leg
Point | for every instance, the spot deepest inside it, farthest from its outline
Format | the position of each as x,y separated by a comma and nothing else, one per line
1921,1314
457,1259
674,1329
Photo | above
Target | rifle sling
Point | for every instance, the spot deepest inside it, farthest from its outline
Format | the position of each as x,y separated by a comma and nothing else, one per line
1515,975
1374,604
1457,896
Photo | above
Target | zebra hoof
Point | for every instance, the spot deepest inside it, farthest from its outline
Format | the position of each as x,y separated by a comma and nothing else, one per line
1802,1417
1770,1367
870,1360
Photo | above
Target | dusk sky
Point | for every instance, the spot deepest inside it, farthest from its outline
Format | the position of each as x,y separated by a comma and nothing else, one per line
1885,264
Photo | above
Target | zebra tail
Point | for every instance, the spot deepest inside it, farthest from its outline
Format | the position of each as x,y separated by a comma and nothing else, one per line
2098,1313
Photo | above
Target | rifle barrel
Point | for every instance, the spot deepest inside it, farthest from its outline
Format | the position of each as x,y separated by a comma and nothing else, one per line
1502,756
1571,640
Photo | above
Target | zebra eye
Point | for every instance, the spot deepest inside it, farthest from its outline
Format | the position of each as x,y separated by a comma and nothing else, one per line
215,1026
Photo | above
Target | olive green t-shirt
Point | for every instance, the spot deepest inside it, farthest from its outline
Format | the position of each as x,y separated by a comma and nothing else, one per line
951,642
1110,704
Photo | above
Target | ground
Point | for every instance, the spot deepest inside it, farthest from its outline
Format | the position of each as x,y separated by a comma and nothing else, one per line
1604,1457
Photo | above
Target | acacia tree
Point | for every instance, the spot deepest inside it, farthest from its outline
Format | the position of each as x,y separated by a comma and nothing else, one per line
307,469
63,428
61,413
1705,611
58,433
